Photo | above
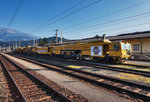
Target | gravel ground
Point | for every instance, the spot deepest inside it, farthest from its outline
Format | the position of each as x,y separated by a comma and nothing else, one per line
125,76
86,90
138,63
5,95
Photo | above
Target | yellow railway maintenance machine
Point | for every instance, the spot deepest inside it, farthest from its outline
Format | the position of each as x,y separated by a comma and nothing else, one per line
103,50
44,50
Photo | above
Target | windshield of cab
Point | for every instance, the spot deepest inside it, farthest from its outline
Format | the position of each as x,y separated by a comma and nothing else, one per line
126,46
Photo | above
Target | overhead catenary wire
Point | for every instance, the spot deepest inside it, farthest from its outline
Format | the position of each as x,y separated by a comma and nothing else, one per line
146,23
95,2
108,14
109,29
15,12
120,10
124,27
40,25
116,20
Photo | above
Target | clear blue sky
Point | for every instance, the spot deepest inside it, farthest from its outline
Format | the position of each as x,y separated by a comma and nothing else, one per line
97,19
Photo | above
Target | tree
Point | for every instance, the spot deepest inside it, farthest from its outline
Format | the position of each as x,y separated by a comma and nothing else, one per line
96,36
45,40
52,41
40,42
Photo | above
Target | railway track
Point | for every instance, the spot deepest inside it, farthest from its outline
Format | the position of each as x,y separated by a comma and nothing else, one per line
30,88
124,70
137,91
105,67
7,88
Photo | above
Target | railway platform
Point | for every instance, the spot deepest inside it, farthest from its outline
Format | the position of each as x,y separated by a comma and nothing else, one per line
86,90
127,75
98,68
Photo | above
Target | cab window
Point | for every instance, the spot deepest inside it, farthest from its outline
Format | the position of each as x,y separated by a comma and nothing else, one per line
123,46
116,47
128,47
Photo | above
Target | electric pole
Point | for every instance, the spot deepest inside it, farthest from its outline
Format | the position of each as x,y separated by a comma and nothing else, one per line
56,36
19,43
61,37
16,45
13,47
36,42
33,42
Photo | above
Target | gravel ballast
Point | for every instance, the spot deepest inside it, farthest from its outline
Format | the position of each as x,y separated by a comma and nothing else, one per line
86,90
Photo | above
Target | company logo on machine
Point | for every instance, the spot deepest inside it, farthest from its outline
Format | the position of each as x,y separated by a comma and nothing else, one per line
96,50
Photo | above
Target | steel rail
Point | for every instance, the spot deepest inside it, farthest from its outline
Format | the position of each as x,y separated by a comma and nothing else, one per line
42,63
125,70
112,68
13,81
58,94
95,82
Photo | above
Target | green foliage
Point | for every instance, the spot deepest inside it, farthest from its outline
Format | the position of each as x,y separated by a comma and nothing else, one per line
40,42
43,41
96,36
52,41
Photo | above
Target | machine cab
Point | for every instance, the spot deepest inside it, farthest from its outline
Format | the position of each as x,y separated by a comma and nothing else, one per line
126,50
120,50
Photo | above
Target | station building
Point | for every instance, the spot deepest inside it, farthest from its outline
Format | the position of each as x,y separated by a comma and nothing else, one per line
140,42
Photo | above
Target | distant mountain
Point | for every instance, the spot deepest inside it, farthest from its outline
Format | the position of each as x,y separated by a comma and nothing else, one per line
13,35
29,42
8,37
